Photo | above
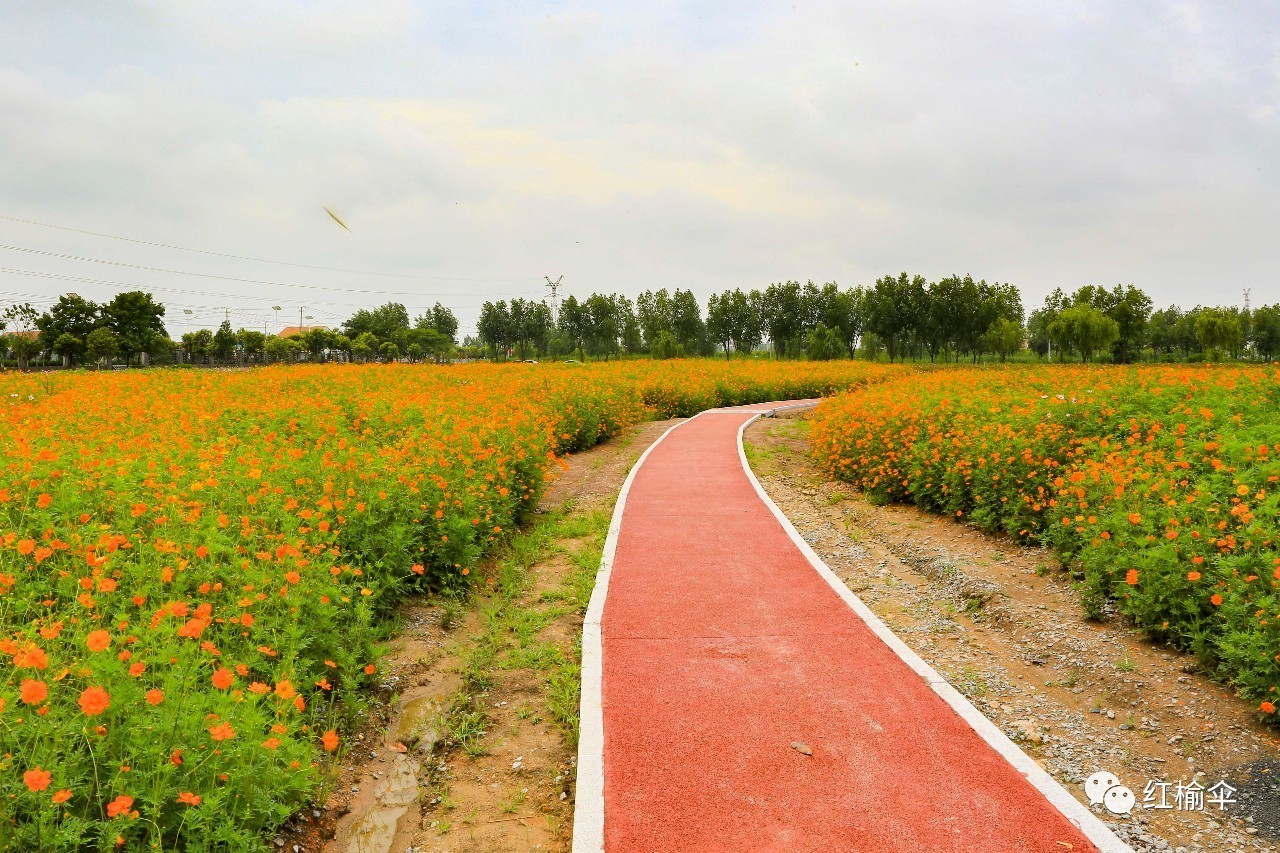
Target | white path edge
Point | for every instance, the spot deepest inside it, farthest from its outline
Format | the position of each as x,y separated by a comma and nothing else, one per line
588,807
588,812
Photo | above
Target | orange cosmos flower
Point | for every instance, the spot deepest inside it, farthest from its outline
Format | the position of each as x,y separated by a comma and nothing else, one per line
1193,576
222,731
62,796
97,640
1215,599
120,805
329,740
37,779
154,697
190,798
94,700
33,692
32,657
1132,577
222,679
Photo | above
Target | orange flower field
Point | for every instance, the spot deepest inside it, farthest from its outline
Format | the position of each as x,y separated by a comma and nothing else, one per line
1158,485
195,566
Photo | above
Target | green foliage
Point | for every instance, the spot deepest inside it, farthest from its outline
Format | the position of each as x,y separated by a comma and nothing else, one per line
102,345
1083,329
824,344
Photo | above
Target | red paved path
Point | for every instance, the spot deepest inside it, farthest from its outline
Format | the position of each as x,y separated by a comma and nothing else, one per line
722,645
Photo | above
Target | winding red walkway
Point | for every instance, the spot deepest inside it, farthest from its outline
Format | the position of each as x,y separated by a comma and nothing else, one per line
722,644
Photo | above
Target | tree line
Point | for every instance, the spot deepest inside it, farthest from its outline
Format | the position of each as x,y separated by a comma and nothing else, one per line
131,326
898,317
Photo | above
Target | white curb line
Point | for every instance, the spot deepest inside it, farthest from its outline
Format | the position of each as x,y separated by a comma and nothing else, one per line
588,808
1071,808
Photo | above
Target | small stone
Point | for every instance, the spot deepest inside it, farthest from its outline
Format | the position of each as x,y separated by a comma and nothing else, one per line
801,747
1028,731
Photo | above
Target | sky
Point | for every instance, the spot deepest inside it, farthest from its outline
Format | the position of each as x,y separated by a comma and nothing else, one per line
473,148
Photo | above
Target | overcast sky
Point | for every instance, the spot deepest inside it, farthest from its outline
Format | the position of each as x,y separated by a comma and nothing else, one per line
475,147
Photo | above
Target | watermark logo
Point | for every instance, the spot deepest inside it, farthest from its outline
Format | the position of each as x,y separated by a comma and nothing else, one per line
1103,788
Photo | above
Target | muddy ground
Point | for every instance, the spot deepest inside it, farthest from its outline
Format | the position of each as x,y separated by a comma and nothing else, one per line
1002,623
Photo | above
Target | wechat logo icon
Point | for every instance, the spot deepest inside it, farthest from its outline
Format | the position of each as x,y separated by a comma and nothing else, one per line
1103,788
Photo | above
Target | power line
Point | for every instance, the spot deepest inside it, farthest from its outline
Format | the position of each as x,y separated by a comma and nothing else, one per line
67,257
156,244
131,286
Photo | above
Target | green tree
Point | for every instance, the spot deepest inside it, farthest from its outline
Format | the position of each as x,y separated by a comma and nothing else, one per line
1162,330
23,338
364,345
781,312
442,320
102,344
686,322
574,322
496,328
69,347
281,350
654,314
733,320
1085,330
1004,337
1266,331
824,344
252,343
224,342
73,316
199,345
137,320
1217,330
601,335
666,346
389,322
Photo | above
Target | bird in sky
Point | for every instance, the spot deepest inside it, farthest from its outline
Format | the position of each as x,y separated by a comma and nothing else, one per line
337,219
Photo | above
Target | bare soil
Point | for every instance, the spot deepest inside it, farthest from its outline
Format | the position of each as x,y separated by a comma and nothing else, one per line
1003,624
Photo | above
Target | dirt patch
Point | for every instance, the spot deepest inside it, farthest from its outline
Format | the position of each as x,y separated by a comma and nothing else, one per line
1003,624
470,742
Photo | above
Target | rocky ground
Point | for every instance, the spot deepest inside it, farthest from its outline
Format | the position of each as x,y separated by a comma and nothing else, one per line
1002,623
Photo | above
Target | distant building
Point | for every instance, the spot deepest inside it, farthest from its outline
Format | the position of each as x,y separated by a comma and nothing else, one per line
291,331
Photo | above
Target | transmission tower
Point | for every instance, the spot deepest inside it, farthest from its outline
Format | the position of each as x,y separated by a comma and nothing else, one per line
554,288
1246,300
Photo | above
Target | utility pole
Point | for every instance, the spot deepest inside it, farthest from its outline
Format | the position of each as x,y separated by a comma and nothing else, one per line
554,287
